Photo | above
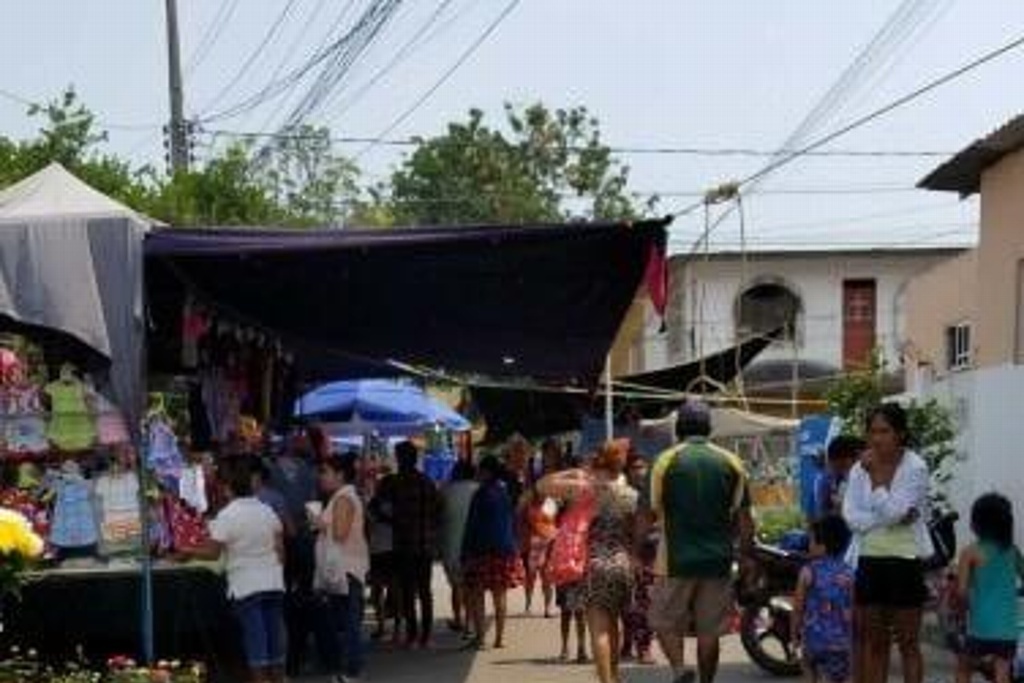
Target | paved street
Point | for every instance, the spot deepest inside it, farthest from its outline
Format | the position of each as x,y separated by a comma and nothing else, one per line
530,654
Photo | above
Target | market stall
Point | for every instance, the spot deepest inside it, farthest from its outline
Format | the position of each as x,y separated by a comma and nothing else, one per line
241,319
76,436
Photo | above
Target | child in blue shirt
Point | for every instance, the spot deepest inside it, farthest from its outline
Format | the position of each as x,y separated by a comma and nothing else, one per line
823,609
988,576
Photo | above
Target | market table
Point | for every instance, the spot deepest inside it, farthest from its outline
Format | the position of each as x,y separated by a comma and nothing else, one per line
97,612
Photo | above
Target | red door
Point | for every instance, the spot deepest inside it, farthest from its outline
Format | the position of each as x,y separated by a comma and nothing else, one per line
859,320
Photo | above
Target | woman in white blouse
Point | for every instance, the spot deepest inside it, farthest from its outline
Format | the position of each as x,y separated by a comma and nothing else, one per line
886,505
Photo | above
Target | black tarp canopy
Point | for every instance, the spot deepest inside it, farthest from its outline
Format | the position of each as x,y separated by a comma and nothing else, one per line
537,411
543,301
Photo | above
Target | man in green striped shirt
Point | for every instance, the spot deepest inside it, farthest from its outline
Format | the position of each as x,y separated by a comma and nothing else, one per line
700,495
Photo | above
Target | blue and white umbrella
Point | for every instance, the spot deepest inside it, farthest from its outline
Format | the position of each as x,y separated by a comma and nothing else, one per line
388,407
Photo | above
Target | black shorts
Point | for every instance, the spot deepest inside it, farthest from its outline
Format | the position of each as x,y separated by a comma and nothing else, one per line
980,648
890,582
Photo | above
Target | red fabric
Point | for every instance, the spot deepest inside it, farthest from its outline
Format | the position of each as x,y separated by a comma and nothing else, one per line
493,572
188,529
569,552
656,278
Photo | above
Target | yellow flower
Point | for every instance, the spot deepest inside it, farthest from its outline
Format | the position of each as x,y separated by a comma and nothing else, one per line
16,535
8,542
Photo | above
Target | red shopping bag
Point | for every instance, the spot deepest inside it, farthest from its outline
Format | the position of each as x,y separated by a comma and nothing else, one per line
567,562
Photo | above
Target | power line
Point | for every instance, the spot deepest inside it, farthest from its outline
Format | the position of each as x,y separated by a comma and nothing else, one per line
865,218
213,32
415,140
406,51
279,86
860,122
17,99
463,58
256,53
767,242
352,46
293,47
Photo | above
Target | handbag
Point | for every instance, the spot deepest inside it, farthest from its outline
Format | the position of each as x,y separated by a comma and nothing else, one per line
567,562
330,576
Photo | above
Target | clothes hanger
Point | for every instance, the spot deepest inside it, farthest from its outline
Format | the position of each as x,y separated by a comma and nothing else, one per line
67,373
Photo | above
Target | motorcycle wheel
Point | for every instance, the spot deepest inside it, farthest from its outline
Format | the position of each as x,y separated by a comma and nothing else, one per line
760,627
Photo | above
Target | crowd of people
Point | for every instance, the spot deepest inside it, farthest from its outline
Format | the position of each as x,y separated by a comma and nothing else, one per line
628,552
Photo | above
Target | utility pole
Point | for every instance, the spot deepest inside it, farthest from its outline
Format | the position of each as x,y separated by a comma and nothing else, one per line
178,134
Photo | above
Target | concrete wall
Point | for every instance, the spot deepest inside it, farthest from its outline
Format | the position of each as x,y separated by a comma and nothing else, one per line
1000,250
987,405
945,295
816,278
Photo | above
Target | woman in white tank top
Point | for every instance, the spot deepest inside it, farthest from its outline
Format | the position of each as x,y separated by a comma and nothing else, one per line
343,560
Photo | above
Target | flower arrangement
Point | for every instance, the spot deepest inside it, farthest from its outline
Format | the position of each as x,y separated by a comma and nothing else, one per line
20,546
26,667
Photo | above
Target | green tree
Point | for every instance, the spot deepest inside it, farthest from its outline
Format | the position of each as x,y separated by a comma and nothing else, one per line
69,135
313,184
221,192
545,166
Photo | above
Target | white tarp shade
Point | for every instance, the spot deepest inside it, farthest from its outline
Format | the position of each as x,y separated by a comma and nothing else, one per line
733,423
71,260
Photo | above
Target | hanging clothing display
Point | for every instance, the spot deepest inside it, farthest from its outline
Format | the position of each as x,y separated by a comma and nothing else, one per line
74,513
240,373
120,518
194,325
23,420
71,425
111,429
188,529
162,455
192,488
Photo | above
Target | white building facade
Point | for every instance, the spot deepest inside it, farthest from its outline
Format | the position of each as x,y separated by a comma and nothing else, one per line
831,309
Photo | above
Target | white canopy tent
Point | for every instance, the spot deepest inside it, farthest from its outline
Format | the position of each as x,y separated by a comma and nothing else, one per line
733,423
71,260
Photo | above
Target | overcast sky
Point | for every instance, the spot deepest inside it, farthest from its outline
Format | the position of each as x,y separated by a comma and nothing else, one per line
658,73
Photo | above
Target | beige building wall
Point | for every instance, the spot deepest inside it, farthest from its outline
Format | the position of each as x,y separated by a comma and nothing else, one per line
1000,251
628,348
944,295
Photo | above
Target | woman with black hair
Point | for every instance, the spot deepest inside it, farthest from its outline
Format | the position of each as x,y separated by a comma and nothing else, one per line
343,561
989,573
248,535
886,505
489,559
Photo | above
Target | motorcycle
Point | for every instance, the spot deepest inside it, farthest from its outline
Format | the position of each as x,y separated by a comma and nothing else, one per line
766,609
765,599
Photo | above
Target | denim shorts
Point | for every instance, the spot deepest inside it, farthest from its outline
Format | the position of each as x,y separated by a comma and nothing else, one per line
261,617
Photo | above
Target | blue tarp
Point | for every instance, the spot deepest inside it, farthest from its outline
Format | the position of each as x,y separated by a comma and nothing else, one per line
813,436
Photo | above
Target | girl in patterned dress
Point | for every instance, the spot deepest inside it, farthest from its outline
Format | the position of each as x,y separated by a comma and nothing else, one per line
823,609
608,582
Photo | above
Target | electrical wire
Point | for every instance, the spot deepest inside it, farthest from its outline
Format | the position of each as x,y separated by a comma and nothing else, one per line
271,33
285,84
963,229
353,45
292,48
415,140
897,31
463,58
861,121
225,12
407,50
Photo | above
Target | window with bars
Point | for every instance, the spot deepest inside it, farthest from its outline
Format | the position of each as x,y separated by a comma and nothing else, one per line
959,355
